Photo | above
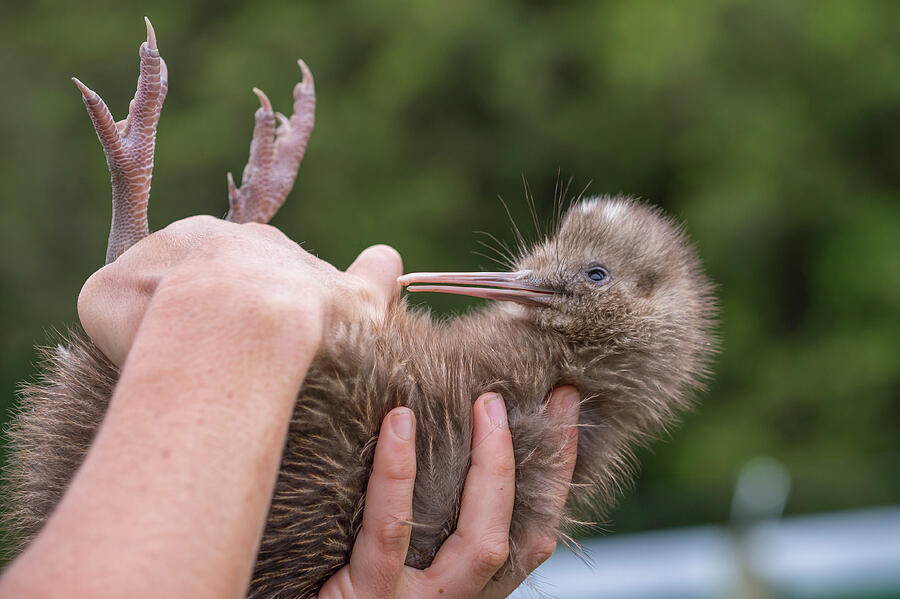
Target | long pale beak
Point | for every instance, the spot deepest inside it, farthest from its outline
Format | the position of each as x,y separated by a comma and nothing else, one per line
503,286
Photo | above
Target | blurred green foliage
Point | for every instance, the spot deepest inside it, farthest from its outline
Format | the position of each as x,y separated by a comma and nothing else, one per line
772,128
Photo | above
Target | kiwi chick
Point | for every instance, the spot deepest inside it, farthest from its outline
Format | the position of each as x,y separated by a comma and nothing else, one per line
614,302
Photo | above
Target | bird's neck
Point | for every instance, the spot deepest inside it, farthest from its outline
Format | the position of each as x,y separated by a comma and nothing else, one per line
499,340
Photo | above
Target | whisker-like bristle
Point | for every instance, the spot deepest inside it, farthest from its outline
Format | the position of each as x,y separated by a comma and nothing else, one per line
521,243
503,250
499,262
529,200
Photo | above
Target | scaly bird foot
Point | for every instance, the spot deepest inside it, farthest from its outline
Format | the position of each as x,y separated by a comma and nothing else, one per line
275,155
128,145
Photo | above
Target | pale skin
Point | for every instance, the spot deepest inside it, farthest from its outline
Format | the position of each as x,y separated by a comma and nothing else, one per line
214,325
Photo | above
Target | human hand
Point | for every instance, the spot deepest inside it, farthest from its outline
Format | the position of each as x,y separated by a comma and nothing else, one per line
209,263
465,564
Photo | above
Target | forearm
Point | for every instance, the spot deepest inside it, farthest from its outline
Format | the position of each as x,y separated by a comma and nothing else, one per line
172,497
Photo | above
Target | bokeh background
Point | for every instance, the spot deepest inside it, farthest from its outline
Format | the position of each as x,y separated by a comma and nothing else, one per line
771,128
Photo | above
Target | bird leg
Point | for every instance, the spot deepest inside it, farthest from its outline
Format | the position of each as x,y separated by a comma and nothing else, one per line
128,145
275,155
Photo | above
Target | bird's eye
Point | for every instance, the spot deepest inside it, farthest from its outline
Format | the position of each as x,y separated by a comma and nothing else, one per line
598,274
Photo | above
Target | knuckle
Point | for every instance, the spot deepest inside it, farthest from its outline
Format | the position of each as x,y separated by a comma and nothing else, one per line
198,221
268,231
491,556
400,470
206,219
96,293
260,227
192,231
99,280
539,551
87,298
393,536
506,464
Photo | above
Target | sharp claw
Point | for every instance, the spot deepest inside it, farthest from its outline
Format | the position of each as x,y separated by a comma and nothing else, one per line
88,94
151,35
307,82
272,167
263,100
232,190
163,71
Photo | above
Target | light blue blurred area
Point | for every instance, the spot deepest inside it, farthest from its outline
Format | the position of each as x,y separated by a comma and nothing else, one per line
835,555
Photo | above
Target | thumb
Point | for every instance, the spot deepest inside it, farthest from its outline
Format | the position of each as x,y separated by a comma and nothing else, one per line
379,266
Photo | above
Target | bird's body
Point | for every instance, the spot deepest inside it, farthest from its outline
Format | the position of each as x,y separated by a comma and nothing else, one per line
635,365
613,302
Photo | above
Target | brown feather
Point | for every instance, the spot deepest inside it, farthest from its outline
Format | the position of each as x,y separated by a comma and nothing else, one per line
636,348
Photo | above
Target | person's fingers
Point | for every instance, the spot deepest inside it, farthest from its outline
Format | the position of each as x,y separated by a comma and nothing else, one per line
377,560
563,407
111,310
537,545
380,266
472,555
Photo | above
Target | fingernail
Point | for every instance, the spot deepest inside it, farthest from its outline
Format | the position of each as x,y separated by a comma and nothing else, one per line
571,397
564,403
401,422
496,409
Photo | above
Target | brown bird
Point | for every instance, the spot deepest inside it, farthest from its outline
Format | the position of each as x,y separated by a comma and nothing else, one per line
614,302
